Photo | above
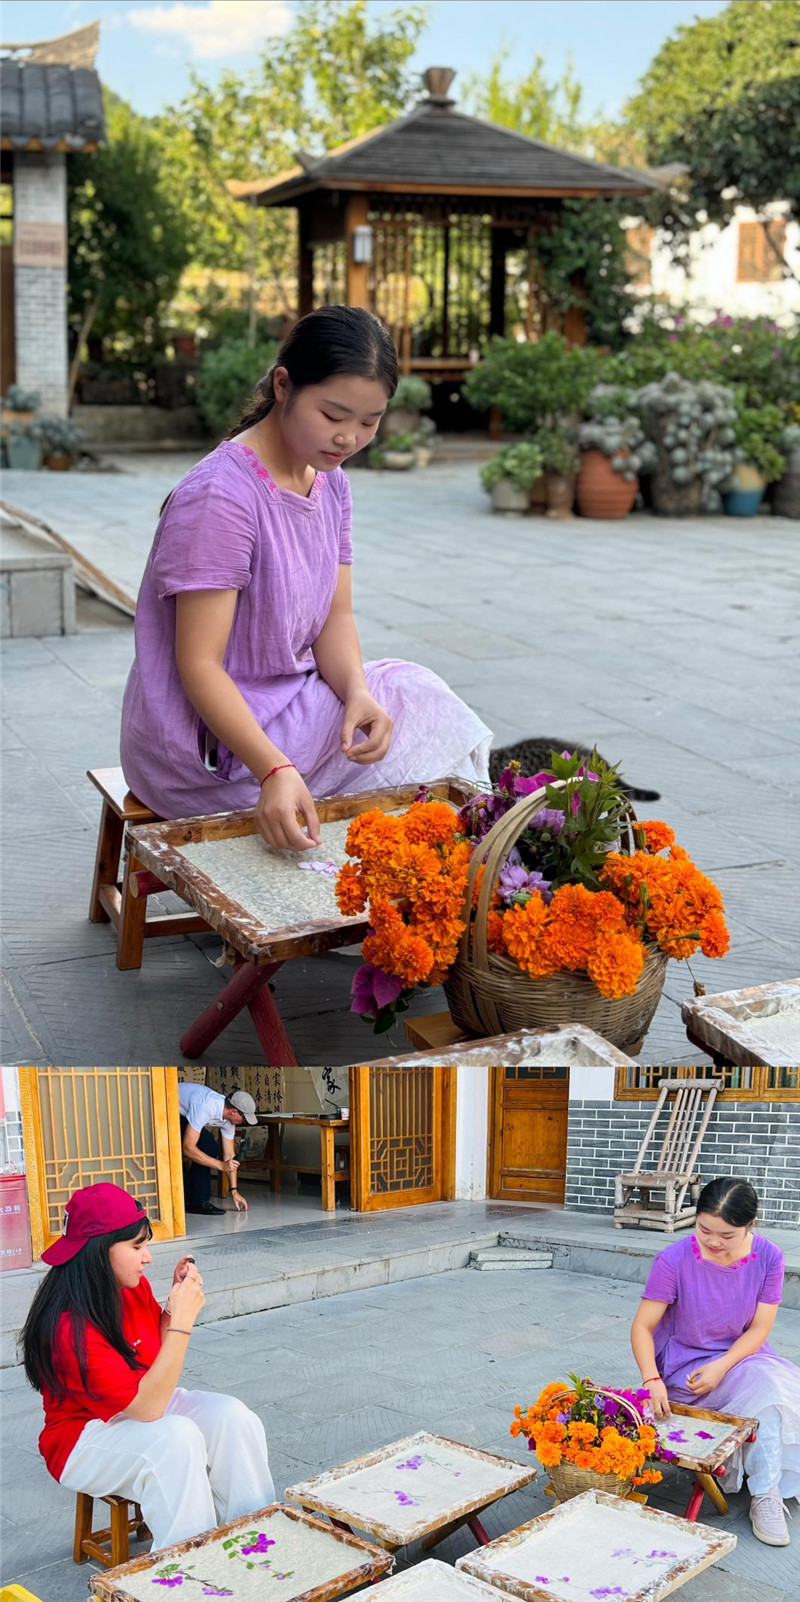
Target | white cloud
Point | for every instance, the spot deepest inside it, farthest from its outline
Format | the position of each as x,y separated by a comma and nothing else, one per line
221,28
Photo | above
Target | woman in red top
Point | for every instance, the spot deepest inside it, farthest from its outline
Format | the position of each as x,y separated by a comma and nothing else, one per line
107,1360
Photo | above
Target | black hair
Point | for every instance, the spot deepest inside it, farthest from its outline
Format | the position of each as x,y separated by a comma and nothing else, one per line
84,1287
733,1200
333,339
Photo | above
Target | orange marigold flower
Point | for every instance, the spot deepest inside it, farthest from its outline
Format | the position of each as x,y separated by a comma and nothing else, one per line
616,964
350,893
657,835
714,937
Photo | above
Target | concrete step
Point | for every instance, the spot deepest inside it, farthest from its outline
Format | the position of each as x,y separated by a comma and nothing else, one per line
504,1257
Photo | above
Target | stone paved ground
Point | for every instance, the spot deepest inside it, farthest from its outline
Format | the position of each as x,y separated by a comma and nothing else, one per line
337,1378
670,644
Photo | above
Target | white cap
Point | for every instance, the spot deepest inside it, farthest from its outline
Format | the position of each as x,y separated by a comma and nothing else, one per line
244,1103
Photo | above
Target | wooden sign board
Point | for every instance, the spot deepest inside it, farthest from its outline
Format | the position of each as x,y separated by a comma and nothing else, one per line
406,1491
40,244
598,1545
432,1582
278,1551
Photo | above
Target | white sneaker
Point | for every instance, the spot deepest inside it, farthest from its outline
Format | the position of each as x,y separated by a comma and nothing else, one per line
768,1518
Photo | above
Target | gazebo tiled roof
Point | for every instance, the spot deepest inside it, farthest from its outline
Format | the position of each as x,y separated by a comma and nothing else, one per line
439,149
50,107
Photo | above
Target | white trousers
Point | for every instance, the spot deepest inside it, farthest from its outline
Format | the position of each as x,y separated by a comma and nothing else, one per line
202,1463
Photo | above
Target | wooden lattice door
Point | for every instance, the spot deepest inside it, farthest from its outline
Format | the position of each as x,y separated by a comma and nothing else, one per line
84,1125
528,1150
402,1136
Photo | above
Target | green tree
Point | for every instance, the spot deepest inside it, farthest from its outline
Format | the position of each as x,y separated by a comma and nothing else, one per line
722,96
127,245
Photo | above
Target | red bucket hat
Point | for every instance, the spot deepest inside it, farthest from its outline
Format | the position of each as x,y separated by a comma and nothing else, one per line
95,1210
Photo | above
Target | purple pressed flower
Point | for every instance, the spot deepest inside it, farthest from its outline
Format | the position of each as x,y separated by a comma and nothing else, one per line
412,1462
608,1590
703,1435
405,1500
373,989
676,1435
261,1544
170,1579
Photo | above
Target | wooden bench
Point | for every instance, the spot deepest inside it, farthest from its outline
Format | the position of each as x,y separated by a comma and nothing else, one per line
118,878
111,1545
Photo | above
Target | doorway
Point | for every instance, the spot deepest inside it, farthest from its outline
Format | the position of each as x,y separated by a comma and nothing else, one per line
402,1140
528,1119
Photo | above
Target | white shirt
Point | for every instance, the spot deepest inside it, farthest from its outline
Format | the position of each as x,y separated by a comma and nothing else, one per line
203,1109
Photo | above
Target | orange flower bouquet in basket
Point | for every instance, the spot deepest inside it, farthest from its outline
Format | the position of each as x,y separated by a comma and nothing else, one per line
590,1437
543,902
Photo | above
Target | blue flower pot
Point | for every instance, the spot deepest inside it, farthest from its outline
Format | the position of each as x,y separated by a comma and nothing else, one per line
742,503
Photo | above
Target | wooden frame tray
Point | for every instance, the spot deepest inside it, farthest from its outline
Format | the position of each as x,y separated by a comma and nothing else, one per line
705,1459
727,1025
157,847
433,1582
369,1563
499,1563
320,1493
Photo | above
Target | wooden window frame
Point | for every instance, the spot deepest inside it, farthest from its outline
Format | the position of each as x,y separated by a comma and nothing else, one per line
756,260
759,1088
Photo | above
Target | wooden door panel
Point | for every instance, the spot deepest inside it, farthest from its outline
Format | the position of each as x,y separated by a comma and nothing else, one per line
402,1134
529,1134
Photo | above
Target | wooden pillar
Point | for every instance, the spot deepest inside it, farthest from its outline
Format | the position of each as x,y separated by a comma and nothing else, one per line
356,272
305,265
497,284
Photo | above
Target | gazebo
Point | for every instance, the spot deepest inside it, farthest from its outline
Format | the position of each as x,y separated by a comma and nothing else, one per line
431,221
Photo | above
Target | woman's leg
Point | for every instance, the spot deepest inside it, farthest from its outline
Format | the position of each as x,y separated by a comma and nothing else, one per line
236,1447
763,1465
160,1465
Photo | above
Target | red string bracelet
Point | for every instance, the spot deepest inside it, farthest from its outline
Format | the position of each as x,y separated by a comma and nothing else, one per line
652,1379
280,766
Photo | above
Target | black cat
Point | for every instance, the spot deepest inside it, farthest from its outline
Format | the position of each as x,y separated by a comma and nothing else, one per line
534,754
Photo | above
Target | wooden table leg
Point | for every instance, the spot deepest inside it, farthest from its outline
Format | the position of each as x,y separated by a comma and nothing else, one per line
328,1158
106,866
696,1498
713,1492
132,917
274,1156
478,1530
247,988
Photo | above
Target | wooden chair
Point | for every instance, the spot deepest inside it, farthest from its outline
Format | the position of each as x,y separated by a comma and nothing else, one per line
116,897
111,1545
675,1172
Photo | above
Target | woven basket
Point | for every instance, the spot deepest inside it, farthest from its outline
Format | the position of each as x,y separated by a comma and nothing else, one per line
568,1480
489,994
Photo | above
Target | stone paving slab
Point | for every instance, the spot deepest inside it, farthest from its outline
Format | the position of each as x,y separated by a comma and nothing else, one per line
320,1351
681,664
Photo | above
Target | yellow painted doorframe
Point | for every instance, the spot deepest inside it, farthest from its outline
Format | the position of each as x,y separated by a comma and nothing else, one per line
360,1134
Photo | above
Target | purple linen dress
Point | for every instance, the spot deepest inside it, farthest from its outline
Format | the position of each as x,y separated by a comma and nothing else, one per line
709,1307
229,526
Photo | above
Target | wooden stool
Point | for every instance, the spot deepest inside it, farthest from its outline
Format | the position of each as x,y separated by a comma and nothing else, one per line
115,898
112,1545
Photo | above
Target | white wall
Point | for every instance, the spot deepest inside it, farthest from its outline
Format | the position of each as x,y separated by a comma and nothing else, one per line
711,283
472,1132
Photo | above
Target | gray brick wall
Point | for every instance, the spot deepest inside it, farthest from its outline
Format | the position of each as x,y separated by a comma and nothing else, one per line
40,293
755,1141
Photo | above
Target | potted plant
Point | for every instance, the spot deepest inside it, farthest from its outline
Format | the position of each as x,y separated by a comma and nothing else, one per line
425,449
412,397
19,405
399,451
786,501
560,458
613,452
541,903
24,446
61,442
376,458
510,475
692,426
759,431
590,1437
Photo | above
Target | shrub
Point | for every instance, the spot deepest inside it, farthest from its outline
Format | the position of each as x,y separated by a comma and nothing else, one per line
760,433
533,385
226,379
521,464
413,393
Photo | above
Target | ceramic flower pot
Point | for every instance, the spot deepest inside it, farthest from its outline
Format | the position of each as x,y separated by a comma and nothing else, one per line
423,455
58,462
25,455
398,460
743,492
560,495
601,491
786,501
508,499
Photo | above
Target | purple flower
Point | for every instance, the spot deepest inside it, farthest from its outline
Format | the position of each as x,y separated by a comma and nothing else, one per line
563,1418
548,818
261,1544
703,1435
373,989
608,1590
673,340
676,1435
216,1590
170,1579
405,1500
514,879
412,1462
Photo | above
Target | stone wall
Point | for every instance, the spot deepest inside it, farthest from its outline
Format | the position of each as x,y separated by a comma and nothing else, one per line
759,1141
40,293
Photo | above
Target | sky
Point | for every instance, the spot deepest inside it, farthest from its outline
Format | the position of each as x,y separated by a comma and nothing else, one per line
147,47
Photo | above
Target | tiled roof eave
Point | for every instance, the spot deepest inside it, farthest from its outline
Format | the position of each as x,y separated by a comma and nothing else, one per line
287,194
72,144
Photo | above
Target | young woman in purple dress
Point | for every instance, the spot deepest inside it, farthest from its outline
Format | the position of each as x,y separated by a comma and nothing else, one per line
701,1337
248,687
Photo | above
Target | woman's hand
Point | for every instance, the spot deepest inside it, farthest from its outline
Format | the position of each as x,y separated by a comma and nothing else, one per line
363,712
182,1268
238,1201
659,1398
186,1299
282,796
706,1378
